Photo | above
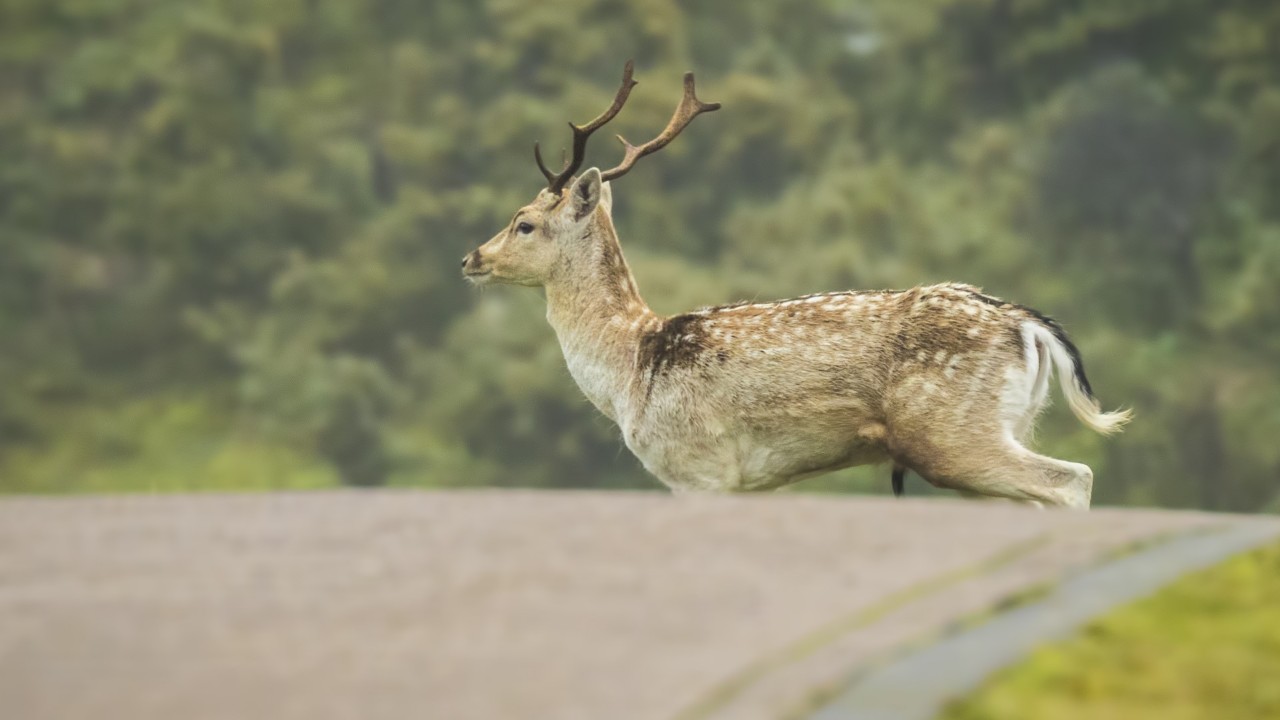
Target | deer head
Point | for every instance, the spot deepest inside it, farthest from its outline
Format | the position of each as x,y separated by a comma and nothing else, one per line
548,235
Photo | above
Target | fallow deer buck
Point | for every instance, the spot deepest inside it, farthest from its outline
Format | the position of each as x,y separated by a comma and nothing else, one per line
943,379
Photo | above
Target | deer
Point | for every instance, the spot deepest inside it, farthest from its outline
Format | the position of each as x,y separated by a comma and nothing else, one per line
943,380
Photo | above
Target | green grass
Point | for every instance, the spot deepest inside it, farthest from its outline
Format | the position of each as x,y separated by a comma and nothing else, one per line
164,444
1207,646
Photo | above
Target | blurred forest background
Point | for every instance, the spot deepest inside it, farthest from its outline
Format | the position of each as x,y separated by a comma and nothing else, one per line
230,229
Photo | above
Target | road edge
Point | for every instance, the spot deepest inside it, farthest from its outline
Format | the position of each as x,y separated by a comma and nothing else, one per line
919,684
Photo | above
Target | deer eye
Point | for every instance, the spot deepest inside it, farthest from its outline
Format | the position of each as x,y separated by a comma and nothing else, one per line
524,228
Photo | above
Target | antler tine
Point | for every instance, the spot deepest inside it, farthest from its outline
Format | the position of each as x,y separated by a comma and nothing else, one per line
537,157
557,181
688,109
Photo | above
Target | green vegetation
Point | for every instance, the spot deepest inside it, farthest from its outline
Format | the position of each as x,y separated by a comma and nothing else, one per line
1206,647
155,445
230,229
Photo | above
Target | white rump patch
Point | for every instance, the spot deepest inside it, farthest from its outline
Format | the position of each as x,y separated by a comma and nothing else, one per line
1025,388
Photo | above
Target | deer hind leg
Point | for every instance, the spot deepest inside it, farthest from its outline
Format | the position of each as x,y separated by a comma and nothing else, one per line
898,480
1014,471
1025,475
1009,470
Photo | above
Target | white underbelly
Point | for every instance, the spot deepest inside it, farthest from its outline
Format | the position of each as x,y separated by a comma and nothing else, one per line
774,460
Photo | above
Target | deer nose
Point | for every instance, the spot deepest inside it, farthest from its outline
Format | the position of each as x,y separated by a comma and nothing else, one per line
472,258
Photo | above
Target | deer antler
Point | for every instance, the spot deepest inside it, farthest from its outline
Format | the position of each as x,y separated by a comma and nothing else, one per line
557,181
688,109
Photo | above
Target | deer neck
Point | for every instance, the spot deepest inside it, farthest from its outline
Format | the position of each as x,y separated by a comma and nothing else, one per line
598,316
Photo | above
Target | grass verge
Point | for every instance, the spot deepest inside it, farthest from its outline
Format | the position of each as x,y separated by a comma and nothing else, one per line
1207,646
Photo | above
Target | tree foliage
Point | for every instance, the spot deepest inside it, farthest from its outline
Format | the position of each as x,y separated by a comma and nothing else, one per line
236,223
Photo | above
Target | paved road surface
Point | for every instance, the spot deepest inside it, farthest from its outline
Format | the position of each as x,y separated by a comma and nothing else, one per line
499,604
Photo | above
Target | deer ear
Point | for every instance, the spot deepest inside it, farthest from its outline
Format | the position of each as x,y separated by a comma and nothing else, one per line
584,196
606,198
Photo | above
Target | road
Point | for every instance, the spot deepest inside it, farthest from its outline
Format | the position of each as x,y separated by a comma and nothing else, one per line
487,605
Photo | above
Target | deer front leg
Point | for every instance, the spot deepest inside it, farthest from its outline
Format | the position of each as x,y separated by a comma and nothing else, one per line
696,472
692,481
